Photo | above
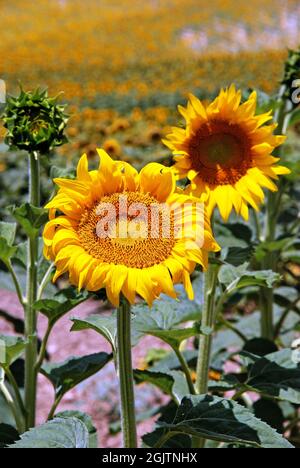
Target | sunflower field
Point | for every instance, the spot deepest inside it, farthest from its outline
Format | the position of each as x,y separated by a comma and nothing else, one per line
149,178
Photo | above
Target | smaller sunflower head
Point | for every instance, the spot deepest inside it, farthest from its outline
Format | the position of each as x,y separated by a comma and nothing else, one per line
225,151
34,122
128,232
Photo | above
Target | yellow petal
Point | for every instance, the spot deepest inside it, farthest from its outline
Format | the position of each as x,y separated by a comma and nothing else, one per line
157,180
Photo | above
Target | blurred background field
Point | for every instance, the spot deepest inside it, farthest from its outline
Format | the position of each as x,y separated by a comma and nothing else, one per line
123,66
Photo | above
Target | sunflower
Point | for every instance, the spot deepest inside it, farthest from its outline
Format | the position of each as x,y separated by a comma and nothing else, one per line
225,151
101,245
112,147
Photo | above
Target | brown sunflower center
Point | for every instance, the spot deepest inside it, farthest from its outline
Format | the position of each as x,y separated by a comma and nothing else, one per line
220,152
129,228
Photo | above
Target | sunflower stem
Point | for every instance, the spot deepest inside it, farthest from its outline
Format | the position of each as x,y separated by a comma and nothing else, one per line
272,213
207,328
31,297
126,374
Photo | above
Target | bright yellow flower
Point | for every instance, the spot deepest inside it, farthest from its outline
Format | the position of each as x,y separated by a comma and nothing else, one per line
125,263
225,151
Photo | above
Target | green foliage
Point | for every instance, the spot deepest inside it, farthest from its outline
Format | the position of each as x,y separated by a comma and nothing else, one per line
7,237
66,375
12,347
172,383
30,218
62,302
221,420
58,433
277,376
240,277
87,420
34,122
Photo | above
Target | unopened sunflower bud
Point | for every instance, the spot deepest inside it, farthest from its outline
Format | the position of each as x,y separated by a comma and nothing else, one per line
34,122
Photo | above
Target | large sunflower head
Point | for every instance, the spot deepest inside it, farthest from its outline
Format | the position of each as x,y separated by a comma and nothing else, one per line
225,151
126,231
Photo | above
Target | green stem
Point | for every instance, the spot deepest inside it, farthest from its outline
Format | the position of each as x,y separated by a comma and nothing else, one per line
54,407
126,374
16,389
272,213
44,282
207,327
257,225
186,370
32,287
16,282
10,402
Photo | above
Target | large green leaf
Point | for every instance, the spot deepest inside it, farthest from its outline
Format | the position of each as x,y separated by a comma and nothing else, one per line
276,375
11,348
62,303
161,321
222,420
87,420
58,433
164,319
104,325
240,277
172,383
66,375
31,218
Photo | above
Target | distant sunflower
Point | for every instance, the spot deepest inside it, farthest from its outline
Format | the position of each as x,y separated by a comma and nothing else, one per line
125,263
112,147
225,151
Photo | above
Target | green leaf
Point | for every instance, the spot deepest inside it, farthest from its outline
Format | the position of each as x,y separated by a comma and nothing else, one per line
270,412
20,255
8,232
236,256
240,231
104,325
11,348
276,375
172,383
66,375
164,318
177,441
61,304
7,237
275,246
87,420
8,435
30,218
222,420
58,433
239,277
